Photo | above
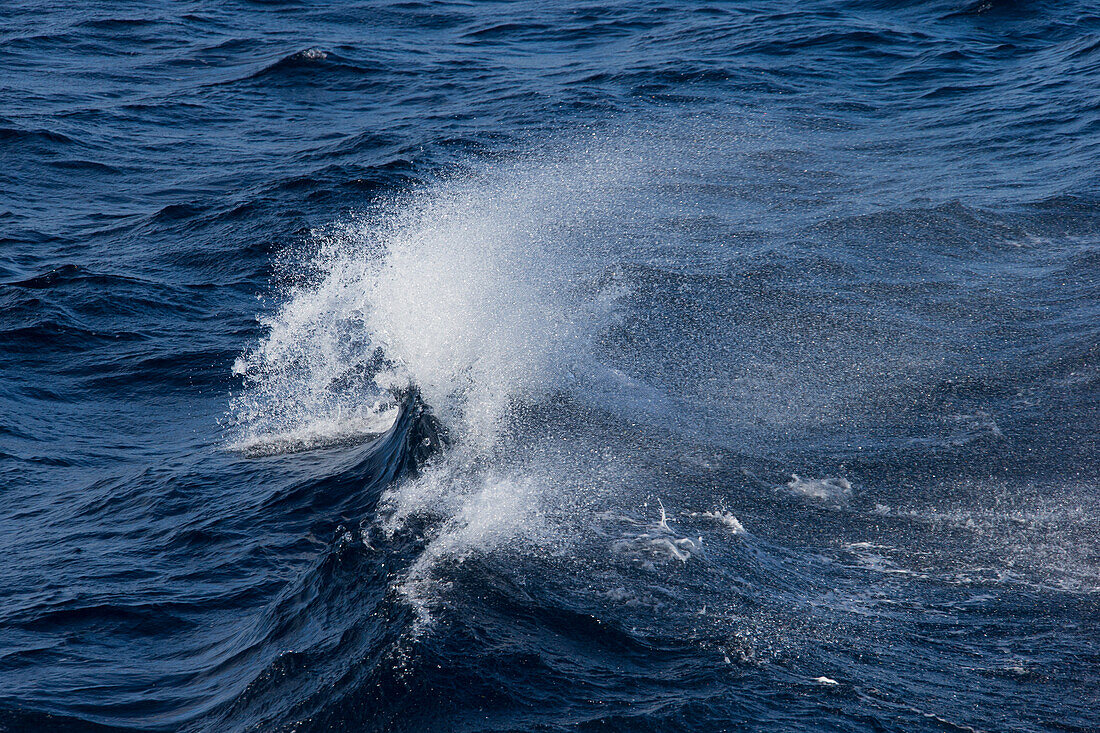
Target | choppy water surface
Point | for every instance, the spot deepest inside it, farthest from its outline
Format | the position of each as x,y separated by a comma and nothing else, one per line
529,366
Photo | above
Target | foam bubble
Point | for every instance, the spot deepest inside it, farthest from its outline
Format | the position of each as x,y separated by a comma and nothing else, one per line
726,519
658,543
823,489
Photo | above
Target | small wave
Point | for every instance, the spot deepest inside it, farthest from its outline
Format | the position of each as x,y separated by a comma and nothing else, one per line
504,30
305,59
19,716
983,7
305,62
69,274
174,212
60,333
88,166
118,23
310,54
21,135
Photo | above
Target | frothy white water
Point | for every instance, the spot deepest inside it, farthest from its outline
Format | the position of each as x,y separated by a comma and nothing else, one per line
484,293
660,542
479,290
726,519
321,432
497,291
473,513
834,490
310,381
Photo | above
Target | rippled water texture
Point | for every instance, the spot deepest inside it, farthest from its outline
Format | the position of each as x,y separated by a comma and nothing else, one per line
549,367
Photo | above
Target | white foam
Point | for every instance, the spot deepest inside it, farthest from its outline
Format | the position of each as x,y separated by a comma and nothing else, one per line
727,519
309,382
483,296
657,544
476,513
824,489
324,432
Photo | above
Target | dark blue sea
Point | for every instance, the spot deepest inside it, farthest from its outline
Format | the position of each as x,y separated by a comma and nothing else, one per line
550,366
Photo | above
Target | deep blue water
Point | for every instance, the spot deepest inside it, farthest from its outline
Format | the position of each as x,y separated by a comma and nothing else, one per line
459,366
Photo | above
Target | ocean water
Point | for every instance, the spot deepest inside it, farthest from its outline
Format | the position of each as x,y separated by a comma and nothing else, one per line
531,366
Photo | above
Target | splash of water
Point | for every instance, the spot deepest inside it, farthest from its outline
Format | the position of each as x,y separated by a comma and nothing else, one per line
484,295
478,290
487,292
